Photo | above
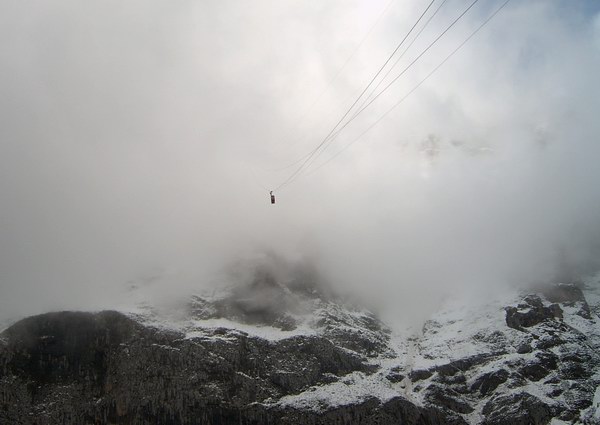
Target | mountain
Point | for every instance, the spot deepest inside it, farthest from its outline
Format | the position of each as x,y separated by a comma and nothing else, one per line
273,352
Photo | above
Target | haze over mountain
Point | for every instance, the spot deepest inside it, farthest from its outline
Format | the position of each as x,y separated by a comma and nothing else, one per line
134,136
139,141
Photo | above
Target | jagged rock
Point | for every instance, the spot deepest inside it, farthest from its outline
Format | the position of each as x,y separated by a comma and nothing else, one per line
568,294
554,391
540,367
533,371
458,381
516,409
462,365
516,380
580,394
550,338
420,374
361,333
447,398
573,370
488,382
585,311
395,375
569,415
524,348
535,313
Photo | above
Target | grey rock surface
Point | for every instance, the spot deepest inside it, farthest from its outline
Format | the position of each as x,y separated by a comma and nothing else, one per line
317,361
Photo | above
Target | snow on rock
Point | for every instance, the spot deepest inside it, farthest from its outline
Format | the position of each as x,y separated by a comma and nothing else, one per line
351,389
268,349
465,358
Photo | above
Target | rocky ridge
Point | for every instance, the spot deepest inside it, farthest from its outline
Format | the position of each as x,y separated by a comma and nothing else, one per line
283,353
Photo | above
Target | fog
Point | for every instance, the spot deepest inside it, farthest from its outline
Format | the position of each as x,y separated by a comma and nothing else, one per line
139,139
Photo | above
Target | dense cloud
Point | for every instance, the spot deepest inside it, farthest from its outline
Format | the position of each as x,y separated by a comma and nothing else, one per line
138,140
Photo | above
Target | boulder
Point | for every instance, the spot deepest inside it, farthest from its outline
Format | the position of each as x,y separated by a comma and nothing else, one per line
488,382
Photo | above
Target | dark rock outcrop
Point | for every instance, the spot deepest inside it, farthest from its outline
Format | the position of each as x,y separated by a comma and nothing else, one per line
419,374
531,313
446,398
488,382
517,409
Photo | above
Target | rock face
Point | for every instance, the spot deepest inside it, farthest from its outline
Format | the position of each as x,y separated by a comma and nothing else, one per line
516,409
531,312
282,354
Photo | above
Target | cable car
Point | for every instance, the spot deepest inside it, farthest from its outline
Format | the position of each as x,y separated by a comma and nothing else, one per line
272,198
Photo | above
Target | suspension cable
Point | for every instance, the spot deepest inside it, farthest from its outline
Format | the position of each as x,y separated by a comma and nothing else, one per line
412,90
333,136
314,151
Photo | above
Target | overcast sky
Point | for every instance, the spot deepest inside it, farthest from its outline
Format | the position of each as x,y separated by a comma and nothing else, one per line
140,138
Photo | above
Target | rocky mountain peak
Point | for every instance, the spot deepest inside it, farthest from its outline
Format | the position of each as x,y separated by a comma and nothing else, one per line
272,353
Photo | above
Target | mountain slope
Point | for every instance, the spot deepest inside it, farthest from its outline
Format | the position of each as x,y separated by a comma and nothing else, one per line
270,353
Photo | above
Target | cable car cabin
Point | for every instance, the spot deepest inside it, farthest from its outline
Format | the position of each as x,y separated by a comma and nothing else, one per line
272,198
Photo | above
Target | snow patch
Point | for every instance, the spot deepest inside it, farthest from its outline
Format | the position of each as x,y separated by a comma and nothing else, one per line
199,328
353,388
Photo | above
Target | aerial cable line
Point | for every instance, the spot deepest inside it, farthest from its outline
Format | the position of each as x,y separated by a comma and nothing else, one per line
332,135
402,54
413,89
328,114
333,79
314,151
403,71
337,74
